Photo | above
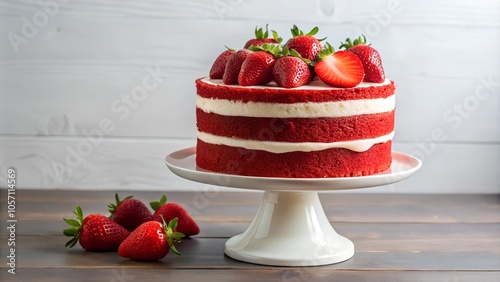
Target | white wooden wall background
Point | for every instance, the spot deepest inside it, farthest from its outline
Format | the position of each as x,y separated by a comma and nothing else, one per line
65,66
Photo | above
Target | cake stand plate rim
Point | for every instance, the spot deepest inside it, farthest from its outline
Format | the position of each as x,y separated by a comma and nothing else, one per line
183,164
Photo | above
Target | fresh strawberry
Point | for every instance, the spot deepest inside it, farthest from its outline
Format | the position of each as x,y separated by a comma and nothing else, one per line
291,70
169,211
306,45
233,66
339,69
95,233
257,69
261,37
219,65
370,58
151,241
129,213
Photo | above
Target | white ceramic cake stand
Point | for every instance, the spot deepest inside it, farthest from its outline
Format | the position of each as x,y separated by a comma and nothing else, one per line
290,228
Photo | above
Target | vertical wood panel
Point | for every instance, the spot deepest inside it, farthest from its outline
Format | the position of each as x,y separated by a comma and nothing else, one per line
64,80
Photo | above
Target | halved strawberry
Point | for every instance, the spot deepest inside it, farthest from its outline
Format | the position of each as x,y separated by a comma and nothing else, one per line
339,69
219,65
233,66
306,45
261,37
291,70
370,58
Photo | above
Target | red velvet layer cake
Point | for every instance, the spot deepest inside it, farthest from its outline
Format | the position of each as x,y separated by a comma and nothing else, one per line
312,131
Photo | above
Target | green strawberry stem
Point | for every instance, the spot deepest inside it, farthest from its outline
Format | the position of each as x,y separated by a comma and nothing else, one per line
278,51
76,225
325,52
172,237
273,49
157,204
260,34
297,32
361,40
113,207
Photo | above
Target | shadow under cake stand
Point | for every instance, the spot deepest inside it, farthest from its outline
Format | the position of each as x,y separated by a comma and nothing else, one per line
290,228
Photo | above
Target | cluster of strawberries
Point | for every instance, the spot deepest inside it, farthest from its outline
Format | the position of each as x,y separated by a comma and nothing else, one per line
133,229
297,61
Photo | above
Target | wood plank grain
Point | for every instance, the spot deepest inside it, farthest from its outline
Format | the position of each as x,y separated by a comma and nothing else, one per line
460,242
244,275
203,253
235,207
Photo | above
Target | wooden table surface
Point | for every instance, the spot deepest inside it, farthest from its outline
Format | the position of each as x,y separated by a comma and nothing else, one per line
397,238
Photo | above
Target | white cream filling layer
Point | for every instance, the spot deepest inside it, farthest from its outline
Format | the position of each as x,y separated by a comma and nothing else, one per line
296,110
285,147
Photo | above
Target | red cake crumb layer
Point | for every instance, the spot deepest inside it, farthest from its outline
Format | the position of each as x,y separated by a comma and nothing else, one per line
317,164
292,95
297,129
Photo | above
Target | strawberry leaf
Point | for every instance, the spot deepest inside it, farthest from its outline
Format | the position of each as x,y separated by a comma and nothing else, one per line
71,243
173,223
313,31
177,235
113,207
76,225
172,237
70,232
157,204
276,37
172,246
361,40
72,222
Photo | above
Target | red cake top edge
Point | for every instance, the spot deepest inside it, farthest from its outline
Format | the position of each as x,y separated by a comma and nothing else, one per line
273,94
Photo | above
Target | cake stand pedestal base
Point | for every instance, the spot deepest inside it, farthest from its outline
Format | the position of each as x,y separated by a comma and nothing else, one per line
290,229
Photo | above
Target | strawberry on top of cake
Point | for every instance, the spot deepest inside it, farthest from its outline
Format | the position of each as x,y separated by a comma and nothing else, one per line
297,109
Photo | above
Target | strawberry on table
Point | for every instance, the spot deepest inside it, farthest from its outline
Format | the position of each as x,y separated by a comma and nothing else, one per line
233,66
291,70
186,224
370,58
306,45
261,37
219,65
95,233
339,69
151,241
129,213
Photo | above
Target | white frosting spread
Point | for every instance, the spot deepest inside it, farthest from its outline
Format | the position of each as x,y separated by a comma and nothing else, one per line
285,147
316,84
296,110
